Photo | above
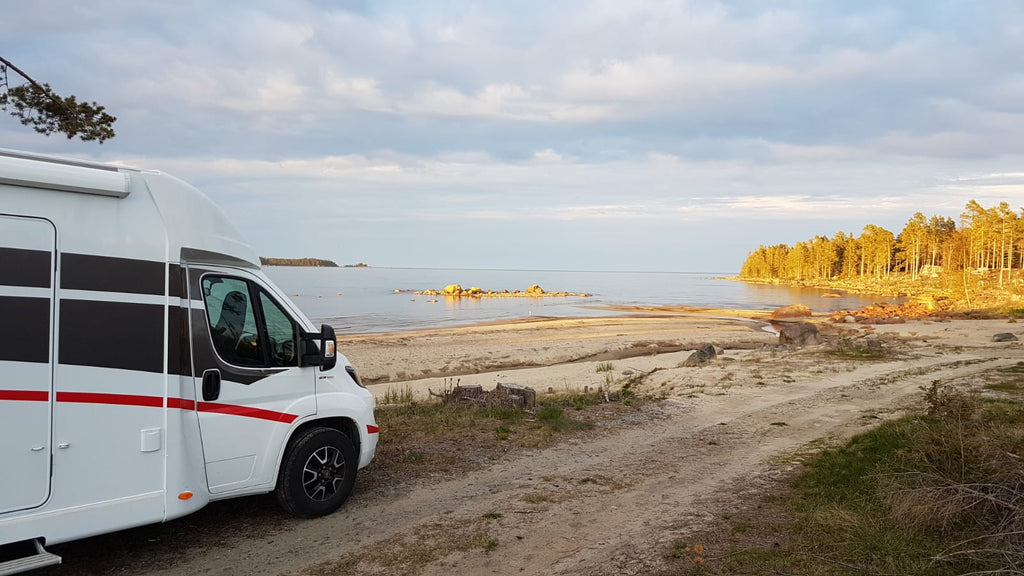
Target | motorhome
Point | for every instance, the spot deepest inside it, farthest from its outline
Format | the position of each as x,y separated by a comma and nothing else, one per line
148,366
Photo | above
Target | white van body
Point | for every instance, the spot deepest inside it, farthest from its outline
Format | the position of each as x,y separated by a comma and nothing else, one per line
126,398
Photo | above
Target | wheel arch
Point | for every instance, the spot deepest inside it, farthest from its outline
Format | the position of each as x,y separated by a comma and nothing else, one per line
346,426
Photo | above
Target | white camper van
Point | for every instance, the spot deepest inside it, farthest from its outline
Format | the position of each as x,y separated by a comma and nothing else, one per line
148,367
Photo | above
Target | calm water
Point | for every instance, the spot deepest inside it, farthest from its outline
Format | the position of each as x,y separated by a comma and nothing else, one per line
360,300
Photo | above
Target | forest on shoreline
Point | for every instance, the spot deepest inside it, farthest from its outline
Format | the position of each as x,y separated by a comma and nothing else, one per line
976,262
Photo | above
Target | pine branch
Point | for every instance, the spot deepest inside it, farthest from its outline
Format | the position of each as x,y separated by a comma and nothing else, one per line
35,104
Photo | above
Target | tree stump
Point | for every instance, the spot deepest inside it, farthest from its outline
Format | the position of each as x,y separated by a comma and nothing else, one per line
527,395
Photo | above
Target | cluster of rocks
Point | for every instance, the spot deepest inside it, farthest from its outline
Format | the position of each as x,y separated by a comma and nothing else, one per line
456,290
884,313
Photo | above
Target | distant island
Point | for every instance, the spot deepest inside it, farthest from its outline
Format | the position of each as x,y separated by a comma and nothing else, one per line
312,262
359,265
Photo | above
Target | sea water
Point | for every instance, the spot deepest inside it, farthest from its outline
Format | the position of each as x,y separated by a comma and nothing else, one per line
364,300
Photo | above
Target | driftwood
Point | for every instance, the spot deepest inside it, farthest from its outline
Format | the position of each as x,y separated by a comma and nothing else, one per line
505,395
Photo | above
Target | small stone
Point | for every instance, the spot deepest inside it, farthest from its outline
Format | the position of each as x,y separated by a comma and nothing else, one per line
1004,337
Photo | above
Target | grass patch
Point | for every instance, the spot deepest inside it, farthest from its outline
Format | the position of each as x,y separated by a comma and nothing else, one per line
551,417
426,438
392,396
1010,380
859,349
936,494
573,398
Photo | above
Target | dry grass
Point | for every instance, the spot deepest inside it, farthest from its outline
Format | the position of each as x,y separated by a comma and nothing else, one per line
421,439
941,493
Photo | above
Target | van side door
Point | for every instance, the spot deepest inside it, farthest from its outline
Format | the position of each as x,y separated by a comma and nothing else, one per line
250,386
27,247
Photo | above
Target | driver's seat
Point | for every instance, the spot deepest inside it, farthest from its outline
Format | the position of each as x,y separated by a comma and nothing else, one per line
232,319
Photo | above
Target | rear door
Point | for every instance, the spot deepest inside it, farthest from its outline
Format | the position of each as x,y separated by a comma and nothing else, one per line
27,247
249,385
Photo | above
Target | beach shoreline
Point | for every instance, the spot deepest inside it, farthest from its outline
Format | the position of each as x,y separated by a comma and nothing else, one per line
551,354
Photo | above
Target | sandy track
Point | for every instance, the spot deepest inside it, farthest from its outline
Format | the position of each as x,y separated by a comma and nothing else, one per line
611,503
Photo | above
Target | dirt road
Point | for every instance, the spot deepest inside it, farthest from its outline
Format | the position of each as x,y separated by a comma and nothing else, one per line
604,503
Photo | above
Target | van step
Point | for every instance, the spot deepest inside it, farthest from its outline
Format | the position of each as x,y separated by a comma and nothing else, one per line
30,562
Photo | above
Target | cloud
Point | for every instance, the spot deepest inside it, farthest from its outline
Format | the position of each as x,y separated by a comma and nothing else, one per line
574,118
661,78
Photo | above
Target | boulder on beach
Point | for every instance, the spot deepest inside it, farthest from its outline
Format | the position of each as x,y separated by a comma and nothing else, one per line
1004,337
792,311
701,356
535,289
800,334
452,289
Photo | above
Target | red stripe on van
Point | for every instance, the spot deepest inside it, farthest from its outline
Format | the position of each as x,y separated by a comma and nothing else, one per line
117,399
147,401
371,429
182,403
247,411
25,395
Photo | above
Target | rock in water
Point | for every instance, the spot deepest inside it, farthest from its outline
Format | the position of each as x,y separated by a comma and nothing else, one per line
802,334
701,356
792,311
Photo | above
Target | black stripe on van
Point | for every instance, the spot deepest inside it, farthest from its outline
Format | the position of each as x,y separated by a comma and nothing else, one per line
26,333
121,335
22,267
177,284
179,356
109,274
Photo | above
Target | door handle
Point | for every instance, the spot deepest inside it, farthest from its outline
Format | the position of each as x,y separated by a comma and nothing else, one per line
211,385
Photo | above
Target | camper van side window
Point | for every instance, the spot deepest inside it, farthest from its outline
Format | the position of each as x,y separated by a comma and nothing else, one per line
233,327
283,338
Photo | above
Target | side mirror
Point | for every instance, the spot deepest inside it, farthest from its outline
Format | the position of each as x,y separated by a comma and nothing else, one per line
320,349
328,347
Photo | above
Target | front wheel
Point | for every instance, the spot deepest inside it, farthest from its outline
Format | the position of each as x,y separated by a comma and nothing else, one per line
317,474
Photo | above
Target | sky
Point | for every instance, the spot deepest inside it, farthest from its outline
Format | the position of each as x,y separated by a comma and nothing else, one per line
600,135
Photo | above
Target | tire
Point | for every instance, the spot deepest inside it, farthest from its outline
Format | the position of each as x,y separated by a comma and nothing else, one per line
317,473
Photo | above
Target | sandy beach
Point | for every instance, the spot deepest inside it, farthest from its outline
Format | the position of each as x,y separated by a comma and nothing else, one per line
555,354
610,501
541,353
